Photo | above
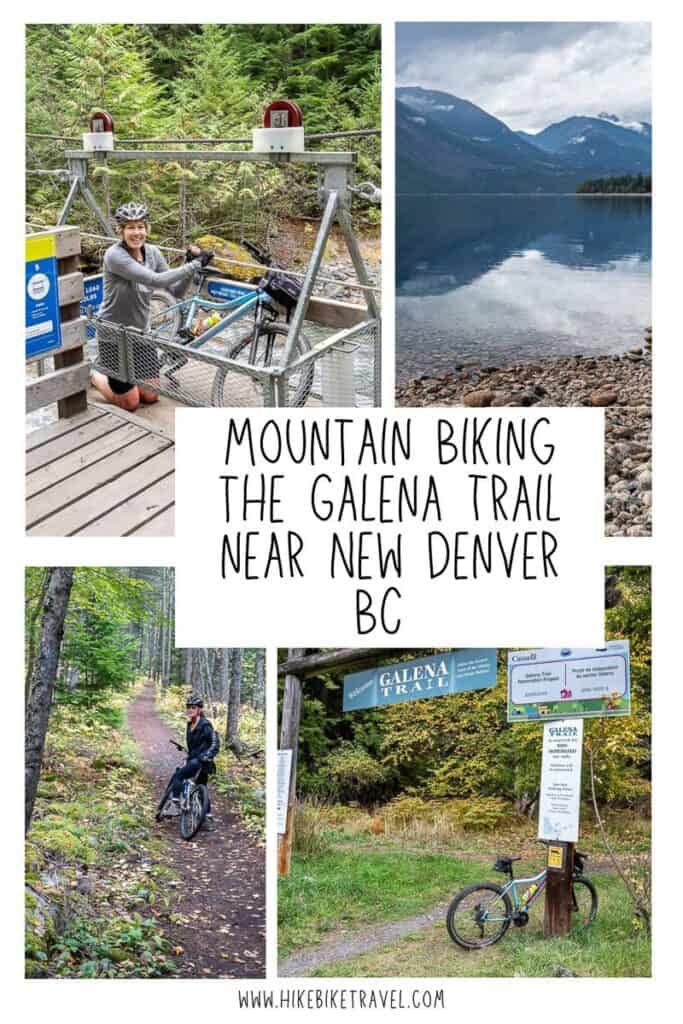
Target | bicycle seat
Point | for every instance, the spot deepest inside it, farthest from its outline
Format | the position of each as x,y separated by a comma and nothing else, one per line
504,864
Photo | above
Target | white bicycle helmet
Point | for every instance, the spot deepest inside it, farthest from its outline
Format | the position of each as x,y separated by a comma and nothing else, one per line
131,211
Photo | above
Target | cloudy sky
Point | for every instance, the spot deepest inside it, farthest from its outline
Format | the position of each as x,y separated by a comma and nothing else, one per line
531,74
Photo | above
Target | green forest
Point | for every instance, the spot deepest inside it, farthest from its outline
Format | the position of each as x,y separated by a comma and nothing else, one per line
105,691
637,184
197,82
400,806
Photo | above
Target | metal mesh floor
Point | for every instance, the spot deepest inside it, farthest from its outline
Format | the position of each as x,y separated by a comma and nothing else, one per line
220,373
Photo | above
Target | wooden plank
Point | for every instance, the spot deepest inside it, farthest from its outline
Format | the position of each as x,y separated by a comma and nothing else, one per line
162,525
76,401
57,385
98,488
69,440
126,518
70,288
86,455
73,336
37,438
67,239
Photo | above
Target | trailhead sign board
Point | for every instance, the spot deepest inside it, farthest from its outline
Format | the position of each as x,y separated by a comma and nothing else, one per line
43,329
560,797
284,772
436,675
564,682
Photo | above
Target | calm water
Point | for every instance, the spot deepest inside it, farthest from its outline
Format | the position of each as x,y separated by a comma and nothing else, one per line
498,280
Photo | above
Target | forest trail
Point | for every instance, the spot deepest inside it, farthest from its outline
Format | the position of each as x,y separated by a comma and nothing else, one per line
303,963
217,909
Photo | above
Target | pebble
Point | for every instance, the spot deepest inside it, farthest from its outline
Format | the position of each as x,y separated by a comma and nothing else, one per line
621,386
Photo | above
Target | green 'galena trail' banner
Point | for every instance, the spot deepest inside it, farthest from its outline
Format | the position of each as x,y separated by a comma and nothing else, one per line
437,675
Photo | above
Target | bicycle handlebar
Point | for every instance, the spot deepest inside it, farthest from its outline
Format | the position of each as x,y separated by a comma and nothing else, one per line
260,255
178,746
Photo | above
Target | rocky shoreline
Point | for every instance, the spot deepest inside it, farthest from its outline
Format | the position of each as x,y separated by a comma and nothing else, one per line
621,384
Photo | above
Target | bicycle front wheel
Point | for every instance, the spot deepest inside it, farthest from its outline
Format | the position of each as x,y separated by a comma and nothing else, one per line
584,901
192,816
165,316
267,350
479,916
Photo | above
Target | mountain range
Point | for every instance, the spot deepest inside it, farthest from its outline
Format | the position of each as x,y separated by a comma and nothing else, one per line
447,144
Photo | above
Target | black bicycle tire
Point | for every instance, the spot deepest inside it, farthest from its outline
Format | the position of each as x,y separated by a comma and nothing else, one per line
303,345
189,833
490,887
164,800
580,880
176,318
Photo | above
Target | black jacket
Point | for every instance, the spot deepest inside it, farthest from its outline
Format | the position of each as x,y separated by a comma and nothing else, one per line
203,741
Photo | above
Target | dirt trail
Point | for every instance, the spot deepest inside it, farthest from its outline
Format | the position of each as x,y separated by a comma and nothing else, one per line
217,910
301,964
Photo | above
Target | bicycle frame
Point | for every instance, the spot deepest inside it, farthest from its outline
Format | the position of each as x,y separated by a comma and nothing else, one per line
240,307
510,889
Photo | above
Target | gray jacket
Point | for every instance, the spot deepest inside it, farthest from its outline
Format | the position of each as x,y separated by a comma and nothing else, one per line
128,285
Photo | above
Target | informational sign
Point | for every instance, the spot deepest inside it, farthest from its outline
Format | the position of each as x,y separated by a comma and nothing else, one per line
93,294
568,682
558,812
224,291
556,857
435,676
284,772
43,331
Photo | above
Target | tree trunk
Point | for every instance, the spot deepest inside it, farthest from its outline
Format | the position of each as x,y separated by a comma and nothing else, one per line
31,632
233,723
42,682
260,678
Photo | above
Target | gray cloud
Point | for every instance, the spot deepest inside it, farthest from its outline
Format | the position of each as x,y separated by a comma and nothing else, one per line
531,74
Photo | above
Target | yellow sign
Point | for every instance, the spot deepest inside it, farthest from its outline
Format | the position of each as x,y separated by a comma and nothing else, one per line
556,857
40,247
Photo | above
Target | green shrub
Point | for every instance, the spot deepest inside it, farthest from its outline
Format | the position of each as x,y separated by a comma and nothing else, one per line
351,773
485,813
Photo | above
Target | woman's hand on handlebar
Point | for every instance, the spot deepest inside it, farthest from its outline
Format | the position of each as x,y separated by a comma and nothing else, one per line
193,252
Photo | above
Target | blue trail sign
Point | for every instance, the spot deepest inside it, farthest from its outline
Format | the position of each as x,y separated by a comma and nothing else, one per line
434,676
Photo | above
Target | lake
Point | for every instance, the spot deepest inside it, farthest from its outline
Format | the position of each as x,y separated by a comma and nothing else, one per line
499,280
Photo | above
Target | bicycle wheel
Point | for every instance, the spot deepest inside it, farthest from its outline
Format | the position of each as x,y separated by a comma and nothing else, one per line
268,351
164,320
192,817
164,800
584,901
479,916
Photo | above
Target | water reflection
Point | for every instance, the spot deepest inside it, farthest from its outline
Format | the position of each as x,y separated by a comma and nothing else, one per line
501,279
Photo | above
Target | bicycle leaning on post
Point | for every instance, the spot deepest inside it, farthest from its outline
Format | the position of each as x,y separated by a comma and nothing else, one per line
482,913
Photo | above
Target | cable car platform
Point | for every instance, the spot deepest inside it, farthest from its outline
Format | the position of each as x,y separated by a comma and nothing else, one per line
102,473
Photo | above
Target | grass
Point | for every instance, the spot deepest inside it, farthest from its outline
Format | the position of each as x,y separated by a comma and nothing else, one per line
368,880
342,891
93,868
609,948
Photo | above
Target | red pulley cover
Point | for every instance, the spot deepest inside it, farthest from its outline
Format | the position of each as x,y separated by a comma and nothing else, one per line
101,122
283,114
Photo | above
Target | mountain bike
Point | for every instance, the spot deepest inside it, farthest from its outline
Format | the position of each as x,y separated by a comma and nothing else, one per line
185,323
194,802
482,913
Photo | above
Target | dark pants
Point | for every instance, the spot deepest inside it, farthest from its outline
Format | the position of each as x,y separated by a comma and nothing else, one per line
188,771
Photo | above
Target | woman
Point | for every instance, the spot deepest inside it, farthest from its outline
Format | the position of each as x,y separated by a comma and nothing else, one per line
132,269
203,744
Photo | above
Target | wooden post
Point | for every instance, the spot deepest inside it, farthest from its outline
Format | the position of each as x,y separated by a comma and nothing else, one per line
289,740
558,895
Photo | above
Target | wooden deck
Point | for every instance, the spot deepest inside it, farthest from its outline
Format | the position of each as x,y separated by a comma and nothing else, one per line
102,473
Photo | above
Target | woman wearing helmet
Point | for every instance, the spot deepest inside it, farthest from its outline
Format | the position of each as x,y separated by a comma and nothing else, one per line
132,269
202,743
